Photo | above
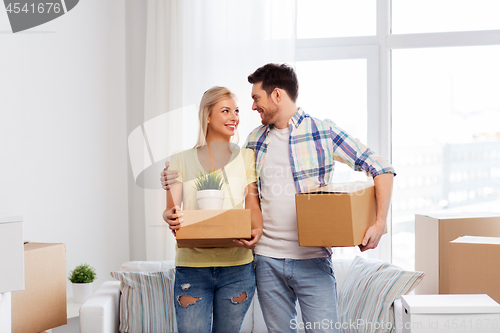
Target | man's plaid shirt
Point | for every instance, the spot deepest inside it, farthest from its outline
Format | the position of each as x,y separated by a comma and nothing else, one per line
315,145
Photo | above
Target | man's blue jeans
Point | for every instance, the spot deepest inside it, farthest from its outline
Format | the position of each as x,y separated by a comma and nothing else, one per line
281,282
224,292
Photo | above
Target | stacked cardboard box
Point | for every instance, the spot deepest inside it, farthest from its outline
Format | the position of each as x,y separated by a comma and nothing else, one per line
475,266
433,234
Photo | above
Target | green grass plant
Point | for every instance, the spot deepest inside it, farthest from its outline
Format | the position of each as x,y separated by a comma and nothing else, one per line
209,181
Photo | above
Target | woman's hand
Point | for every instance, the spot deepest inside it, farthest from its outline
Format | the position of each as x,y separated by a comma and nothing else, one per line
173,217
250,244
168,177
252,202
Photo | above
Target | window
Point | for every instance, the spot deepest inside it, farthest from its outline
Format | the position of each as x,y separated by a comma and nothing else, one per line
421,16
446,138
326,18
340,95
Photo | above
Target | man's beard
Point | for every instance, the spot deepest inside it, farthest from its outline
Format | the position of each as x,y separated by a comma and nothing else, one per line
270,115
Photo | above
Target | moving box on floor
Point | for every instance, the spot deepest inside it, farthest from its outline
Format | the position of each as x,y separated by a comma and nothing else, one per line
433,233
475,266
42,303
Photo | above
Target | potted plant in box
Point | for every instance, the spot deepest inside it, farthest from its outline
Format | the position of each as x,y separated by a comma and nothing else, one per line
82,278
209,186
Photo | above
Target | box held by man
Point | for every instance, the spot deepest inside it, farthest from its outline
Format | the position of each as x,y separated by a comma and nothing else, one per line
336,214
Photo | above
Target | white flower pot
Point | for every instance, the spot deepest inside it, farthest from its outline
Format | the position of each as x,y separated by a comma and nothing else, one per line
210,199
82,292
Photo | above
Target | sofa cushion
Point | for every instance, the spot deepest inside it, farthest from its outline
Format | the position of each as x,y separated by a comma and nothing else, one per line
340,269
367,295
146,300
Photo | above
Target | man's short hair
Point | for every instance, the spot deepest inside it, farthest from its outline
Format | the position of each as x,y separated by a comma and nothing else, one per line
277,76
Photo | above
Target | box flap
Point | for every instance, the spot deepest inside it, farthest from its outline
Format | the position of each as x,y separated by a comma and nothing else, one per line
477,240
446,215
349,187
452,304
35,246
197,216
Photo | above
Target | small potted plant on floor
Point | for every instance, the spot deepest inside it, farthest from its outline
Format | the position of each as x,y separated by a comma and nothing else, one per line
209,186
82,278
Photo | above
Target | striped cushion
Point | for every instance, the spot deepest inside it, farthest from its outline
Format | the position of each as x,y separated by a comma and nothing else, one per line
368,293
146,301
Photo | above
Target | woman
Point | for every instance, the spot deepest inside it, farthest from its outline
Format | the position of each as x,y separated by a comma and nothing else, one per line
215,286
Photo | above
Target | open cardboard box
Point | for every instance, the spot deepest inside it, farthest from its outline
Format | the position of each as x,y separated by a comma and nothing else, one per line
214,228
474,266
335,214
433,234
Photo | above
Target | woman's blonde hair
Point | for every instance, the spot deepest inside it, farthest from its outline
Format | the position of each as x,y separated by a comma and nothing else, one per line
211,97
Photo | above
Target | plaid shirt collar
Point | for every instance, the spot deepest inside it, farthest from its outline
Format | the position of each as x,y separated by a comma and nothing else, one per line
297,118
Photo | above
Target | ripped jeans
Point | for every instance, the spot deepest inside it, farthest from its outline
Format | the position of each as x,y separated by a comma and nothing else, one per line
213,299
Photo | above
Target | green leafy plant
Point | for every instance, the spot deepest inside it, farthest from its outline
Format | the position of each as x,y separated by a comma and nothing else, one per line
209,181
82,274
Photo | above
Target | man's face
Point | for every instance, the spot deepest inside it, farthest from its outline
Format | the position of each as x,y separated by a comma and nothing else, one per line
264,104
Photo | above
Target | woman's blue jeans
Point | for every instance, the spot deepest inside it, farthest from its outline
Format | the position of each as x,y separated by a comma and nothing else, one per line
213,299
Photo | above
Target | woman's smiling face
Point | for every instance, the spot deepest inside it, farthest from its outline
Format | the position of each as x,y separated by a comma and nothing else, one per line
223,120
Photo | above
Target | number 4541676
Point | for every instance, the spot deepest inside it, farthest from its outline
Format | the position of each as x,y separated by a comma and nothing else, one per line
40,8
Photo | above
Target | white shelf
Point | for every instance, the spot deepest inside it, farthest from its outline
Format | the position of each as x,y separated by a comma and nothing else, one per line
11,253
73,309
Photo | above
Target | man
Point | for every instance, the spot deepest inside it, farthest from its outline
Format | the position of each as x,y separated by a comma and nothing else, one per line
295,153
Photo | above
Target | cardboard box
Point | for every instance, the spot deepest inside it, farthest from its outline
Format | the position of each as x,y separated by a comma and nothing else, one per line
450,313
214,228
433,233
11,254
42,305
475,266
335,214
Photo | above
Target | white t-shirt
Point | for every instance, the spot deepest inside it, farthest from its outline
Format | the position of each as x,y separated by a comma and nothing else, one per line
280,237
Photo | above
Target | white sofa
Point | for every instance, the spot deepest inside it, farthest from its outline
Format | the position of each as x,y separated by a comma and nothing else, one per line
100,313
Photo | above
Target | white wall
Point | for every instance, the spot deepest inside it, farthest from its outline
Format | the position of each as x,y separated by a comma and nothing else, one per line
63,135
